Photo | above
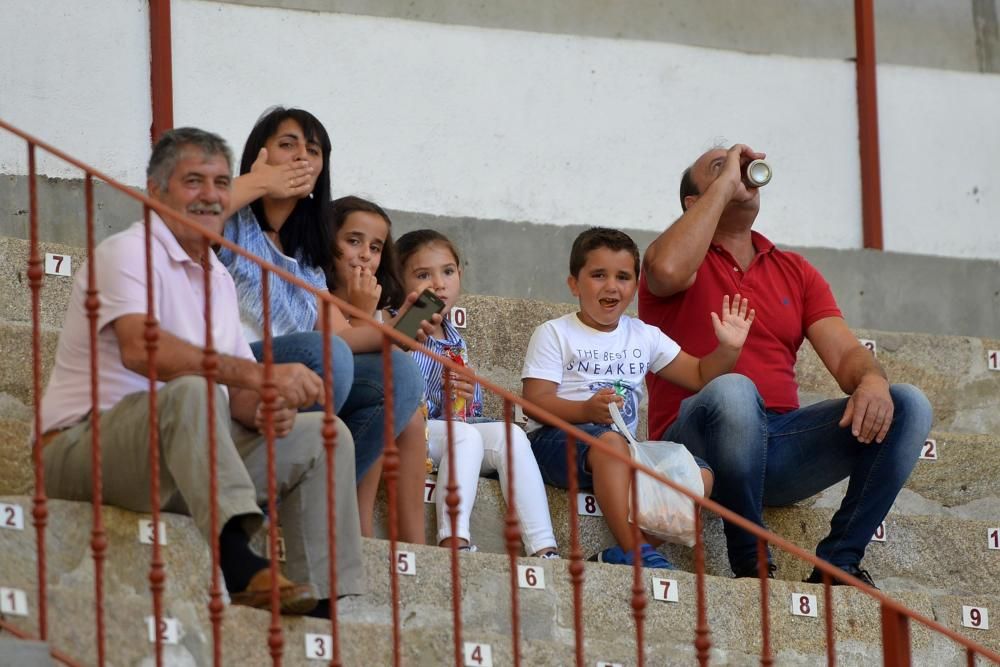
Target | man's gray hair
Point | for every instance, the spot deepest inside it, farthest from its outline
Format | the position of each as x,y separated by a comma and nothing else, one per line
171,146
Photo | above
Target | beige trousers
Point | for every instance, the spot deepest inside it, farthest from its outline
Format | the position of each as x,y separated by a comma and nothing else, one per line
242,475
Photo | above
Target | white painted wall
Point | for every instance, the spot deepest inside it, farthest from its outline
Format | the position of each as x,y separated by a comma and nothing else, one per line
76,75
554,129
940,141
524,126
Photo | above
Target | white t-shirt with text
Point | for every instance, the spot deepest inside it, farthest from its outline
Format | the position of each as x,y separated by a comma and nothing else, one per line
583,360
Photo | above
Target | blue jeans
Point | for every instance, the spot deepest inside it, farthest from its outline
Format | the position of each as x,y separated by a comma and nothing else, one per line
306,348
765,458
548,444
358,389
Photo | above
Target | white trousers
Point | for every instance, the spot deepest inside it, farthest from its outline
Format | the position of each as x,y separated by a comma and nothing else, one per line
481,449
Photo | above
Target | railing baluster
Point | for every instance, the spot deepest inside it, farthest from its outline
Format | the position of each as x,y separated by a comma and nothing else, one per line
895,638
98,535
638,589
575,554
210,364
702,642
276,639
390,471
766,655
452,500
330,445
831,651
512,533
39,512
157,573
970,657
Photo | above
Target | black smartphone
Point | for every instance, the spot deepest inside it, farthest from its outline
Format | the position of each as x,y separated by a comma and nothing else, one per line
426,305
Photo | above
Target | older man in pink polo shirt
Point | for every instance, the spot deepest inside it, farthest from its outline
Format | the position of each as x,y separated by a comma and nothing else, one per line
190,171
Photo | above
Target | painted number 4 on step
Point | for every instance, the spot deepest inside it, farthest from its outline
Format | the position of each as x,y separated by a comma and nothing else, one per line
478,655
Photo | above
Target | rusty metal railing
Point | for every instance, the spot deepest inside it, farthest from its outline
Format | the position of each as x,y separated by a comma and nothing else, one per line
896,618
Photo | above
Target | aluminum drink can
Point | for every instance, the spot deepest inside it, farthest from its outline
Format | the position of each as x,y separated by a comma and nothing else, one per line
757,174
460,406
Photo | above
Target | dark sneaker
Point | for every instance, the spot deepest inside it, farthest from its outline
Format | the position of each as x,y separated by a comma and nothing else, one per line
816,577
748,570
616,556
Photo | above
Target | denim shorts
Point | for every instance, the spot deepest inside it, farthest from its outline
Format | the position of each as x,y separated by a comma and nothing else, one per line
549,446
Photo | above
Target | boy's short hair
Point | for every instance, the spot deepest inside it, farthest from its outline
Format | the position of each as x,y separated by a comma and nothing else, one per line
600,237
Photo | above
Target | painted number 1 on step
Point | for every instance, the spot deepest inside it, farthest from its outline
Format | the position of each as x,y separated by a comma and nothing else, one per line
586,505
13,601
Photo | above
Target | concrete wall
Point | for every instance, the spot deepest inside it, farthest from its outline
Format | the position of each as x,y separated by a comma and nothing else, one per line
511,125
948,34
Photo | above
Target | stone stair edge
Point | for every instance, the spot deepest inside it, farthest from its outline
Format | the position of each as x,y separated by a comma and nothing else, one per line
485,572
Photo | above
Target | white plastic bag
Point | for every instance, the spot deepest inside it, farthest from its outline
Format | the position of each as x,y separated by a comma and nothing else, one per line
663,512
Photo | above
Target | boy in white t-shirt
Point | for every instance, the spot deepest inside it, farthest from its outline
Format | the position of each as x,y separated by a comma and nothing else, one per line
578,364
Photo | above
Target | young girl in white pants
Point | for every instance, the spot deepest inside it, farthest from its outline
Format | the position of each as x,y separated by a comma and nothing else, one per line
430,261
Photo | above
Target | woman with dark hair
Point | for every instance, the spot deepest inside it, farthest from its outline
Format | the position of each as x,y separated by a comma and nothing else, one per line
281,206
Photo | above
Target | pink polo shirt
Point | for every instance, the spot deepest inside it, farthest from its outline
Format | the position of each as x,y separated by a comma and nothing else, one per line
179,301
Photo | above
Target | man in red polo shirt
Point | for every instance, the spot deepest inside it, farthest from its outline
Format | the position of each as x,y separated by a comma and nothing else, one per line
748,425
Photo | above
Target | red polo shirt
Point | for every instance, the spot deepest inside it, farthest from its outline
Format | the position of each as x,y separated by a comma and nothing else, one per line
787,292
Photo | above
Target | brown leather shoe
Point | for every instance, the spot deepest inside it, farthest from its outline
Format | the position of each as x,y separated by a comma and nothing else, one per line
295,598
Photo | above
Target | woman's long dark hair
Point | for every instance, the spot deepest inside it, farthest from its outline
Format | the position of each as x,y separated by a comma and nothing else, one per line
305,234
393,292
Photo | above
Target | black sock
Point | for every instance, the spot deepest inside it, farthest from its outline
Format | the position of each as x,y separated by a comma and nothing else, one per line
322,609
238,562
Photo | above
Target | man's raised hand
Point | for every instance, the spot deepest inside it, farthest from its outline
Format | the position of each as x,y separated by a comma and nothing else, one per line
733,326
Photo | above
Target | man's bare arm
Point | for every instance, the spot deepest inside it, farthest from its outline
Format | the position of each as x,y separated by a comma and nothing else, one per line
176,357
672,260
869,409
298,386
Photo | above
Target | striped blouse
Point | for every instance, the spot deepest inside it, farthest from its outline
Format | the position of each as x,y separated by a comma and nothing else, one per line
432,371
293,309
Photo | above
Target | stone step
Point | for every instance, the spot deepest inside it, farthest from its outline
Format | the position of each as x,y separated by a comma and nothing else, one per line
546,616
25,653
941,553
951,370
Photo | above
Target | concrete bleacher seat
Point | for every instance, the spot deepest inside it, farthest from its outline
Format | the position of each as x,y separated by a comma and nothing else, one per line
935,558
